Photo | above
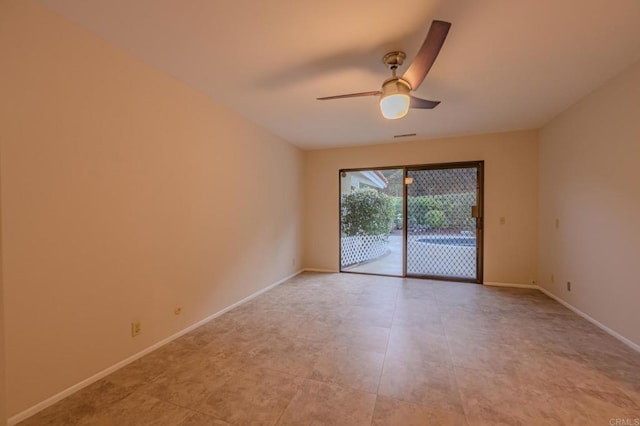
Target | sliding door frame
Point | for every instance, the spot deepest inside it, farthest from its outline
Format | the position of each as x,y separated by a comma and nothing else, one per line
479,165
361,169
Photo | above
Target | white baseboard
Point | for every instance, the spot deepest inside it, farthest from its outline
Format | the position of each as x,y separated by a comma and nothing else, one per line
510,285
72,389
90,380
592,320
569,306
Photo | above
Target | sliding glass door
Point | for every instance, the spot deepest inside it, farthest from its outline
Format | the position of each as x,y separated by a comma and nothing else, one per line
371,218
444,223
418,221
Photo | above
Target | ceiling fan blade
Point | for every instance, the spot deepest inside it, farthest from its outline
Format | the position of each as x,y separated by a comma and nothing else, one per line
427,54
351,95
422,103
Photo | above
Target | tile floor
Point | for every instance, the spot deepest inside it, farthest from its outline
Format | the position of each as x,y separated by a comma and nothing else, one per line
349,349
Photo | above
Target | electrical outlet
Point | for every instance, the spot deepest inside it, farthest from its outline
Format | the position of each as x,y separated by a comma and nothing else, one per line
177,310
136,328
557,223
568,285
503,220
553,279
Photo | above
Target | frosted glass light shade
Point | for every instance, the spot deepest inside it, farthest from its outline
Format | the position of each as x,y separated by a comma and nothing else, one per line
395,101
394,106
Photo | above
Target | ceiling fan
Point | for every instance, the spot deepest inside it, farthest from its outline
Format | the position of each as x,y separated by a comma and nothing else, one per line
395,98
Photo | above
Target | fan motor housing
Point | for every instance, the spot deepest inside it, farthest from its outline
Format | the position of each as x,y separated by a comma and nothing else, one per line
395,86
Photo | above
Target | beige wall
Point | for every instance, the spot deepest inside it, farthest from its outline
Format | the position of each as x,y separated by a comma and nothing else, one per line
511,167
589,176
124,194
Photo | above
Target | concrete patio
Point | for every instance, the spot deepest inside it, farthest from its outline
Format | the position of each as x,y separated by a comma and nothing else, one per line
423,259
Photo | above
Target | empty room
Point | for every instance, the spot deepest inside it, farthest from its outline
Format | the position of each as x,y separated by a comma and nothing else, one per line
319,213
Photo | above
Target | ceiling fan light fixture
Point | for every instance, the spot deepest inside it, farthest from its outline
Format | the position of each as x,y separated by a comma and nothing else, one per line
395,100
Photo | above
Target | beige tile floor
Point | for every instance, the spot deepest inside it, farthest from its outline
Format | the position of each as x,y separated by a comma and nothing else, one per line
349,349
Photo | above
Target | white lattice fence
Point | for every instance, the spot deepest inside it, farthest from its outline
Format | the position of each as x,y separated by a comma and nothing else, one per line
361,248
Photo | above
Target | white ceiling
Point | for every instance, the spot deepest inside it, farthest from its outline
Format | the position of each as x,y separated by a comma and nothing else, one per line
506,65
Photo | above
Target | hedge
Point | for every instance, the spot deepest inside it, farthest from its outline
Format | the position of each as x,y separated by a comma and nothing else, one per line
367,212
439,211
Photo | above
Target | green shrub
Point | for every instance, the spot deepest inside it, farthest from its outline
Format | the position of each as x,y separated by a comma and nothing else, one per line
435,219
397,211
419,206
456,209
367,212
